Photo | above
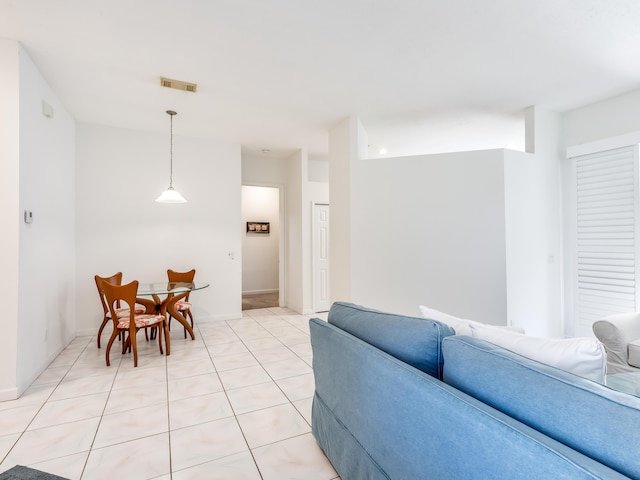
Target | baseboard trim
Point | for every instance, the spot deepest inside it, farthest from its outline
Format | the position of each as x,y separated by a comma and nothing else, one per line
8,394
259,292
217,318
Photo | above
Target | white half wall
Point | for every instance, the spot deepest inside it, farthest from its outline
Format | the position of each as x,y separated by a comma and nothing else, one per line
476,234
430,230
121,228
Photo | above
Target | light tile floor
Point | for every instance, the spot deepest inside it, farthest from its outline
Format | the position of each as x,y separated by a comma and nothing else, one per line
233,404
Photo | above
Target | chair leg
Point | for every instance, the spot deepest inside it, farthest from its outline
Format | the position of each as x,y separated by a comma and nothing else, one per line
105,320
191,319
167,337
159,334
113,336
187,316
134,347
126,344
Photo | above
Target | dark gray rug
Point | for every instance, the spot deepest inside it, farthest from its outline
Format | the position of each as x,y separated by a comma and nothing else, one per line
25,473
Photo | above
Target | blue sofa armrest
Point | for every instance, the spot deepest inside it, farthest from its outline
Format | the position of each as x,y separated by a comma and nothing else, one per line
416,341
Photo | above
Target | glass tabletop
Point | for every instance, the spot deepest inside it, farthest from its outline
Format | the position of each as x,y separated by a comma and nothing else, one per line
164,288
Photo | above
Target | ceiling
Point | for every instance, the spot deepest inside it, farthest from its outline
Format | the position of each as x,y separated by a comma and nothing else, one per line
278,74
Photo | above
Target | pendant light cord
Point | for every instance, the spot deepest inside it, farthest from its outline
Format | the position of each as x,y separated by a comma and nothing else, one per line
171,114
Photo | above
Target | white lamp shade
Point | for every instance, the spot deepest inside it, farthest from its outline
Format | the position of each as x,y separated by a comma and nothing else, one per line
171,196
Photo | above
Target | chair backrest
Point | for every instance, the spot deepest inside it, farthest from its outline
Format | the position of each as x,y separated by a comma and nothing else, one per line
115,279
181,276
186,277
121,294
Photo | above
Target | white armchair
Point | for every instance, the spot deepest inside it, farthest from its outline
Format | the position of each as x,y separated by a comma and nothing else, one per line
620,335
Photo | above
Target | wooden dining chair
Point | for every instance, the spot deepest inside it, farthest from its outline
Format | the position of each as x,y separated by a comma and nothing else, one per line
125,295
142,305
183,306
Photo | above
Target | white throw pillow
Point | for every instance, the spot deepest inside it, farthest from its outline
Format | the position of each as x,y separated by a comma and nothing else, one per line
582,356
460,325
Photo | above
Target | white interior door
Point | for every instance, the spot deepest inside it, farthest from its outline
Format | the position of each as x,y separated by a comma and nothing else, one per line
321,302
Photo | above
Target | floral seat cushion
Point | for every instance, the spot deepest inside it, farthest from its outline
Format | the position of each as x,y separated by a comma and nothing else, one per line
142,321
180,305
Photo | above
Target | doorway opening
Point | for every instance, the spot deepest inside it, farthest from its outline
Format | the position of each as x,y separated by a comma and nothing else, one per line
261,247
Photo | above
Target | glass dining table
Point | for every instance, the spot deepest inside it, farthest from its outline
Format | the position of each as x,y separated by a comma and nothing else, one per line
173,292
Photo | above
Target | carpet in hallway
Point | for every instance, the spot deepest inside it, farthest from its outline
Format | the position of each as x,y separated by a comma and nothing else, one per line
259,300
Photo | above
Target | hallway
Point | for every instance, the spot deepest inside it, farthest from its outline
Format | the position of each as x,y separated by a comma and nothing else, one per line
260,300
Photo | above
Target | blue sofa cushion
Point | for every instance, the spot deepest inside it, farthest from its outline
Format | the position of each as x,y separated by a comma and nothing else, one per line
593,419
416,341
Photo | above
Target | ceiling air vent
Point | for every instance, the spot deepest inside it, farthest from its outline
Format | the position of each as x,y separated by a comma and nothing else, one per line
178,85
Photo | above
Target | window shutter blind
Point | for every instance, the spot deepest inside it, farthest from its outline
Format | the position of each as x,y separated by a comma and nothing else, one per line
607,224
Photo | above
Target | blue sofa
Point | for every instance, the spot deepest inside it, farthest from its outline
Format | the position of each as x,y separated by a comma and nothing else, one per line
404,398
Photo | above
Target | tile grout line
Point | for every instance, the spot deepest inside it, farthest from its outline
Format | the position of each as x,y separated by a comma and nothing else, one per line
273,379
234,335
166,372
104,409
224,389
45,401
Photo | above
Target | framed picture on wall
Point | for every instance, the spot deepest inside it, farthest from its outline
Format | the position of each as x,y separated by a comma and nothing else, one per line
257,227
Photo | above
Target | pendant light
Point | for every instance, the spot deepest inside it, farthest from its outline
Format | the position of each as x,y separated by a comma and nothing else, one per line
170,195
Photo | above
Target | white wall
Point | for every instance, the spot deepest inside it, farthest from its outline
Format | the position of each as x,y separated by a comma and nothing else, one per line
9,215
47,246
264,171
601,120
38,259
475,234
296,172
431,230
450,130
120,227
319,171
534,226
343,151
260,252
